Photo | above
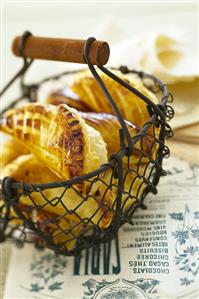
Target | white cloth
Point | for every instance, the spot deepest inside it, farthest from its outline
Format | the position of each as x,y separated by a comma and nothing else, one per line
172,56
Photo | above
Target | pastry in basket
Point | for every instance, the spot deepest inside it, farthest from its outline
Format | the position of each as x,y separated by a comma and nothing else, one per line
131,107
58,136
64,231
135,181
60,230
108,126
58,201
10,150
89,201
62,97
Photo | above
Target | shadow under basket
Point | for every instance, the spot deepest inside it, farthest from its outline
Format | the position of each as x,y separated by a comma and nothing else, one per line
90,208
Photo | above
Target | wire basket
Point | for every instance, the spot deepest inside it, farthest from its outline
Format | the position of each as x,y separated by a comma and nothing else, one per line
111,193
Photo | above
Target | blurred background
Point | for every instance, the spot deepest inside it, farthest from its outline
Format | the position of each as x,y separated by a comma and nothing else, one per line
114,21
161,38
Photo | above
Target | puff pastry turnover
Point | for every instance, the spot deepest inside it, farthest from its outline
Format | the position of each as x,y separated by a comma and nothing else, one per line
88,201
60,230
58,136
109,126
10,150
61,97
131,107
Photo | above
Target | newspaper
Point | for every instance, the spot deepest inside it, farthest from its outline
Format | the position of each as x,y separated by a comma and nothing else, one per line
158,257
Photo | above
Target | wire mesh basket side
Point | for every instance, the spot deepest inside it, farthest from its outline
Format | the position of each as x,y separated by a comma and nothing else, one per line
87,210
92,218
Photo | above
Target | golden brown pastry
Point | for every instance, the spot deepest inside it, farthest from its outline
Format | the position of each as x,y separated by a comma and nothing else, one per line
58,136
28,169
61,97
131,107
106,124
48,210
109,126
10,150
100,198
63,231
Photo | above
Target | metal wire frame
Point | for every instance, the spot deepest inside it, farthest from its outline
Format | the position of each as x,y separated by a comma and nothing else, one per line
11,190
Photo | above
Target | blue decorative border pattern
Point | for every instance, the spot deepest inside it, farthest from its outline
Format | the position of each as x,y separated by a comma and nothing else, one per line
47,271
187,244
120,288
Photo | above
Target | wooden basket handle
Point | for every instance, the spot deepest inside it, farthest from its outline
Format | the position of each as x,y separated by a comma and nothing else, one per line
60,49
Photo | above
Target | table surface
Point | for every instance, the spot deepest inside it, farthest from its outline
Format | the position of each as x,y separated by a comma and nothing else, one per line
185,150
5,251
182,150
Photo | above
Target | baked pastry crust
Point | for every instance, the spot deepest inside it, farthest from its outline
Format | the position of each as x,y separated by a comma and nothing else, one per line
10,150
87,200
58,136
59,97
108,126
67,143
131,107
